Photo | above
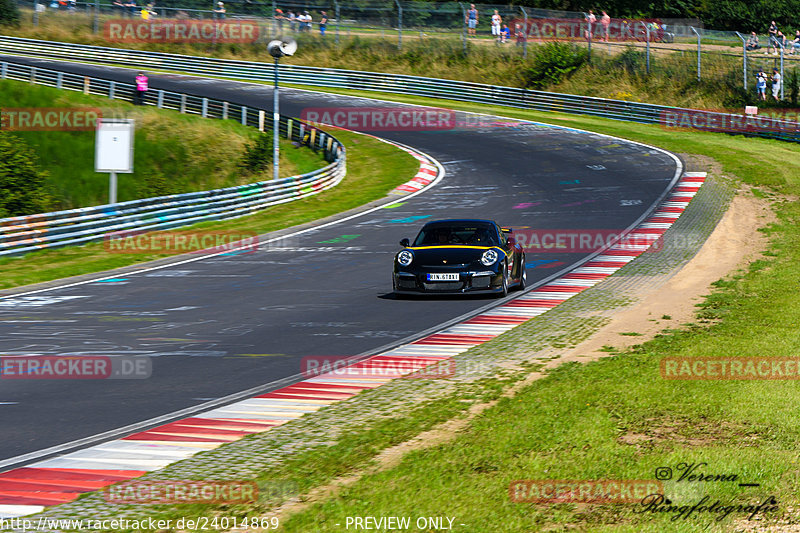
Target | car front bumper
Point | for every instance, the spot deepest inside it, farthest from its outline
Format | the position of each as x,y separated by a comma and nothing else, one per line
468,282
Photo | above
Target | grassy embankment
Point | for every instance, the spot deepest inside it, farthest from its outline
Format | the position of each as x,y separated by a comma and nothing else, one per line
614,72
179,153
174,153
610,419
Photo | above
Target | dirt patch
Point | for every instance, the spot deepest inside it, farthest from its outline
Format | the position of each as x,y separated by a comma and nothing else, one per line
685,433
733,244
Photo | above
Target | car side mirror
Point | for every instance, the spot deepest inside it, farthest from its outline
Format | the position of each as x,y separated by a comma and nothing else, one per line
511,241
405,243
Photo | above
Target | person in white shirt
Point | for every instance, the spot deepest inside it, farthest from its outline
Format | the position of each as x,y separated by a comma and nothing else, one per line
776,84
590,20
497,21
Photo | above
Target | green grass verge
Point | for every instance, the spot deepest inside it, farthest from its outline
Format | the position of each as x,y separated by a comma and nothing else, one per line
174,153
373,169
614,418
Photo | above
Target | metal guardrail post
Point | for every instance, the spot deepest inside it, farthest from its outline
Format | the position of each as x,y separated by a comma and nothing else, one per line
225,110
183,103
86,86
3,70
698,52
204,108
744,59
647,44
399,25
244,115
111,91
160,99
336,10
59,80
464,29
96,23
36,14
261,117
275,19
525,42
33,75
783,82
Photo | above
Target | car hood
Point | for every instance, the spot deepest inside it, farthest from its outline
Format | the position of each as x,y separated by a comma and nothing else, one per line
435,255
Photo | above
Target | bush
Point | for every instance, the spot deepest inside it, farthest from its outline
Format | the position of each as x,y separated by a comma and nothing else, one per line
9,14
552,63
22,184
258,154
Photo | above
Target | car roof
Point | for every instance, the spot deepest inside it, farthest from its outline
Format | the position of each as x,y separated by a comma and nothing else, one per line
461,221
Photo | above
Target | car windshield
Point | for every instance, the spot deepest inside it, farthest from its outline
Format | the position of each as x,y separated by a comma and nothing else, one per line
469,234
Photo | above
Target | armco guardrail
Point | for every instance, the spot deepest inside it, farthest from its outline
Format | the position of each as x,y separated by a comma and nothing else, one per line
23,234
371,81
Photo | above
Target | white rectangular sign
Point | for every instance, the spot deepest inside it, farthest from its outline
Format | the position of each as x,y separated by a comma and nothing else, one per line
114,146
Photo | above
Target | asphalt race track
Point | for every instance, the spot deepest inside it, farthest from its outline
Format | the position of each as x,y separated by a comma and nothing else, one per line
220,325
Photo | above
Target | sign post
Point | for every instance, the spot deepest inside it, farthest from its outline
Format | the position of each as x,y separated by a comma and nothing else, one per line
114,150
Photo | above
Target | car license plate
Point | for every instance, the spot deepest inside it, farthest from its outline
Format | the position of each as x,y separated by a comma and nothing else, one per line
443,277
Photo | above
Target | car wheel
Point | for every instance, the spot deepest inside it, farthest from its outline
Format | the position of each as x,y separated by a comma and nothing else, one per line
523,279
503,293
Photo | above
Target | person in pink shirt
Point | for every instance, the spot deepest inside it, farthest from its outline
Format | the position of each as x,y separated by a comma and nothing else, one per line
141,89
605,20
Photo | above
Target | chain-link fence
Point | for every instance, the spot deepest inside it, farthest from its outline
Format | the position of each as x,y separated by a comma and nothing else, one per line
649,46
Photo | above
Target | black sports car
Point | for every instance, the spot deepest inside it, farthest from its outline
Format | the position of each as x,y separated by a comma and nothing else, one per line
460,256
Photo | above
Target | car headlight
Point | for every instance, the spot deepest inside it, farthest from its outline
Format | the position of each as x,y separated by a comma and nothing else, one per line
489,257
405,257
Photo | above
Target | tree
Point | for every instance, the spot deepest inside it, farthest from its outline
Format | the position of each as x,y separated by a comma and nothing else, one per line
22,184
9,14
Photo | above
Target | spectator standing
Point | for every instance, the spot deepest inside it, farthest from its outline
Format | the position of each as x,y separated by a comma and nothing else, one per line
795,43
292,21
519,33
772,47
776,84
752,42
323,23
279,18
781,39
761,85
605,20
472,20
219,11
141,89
132,8
305,22
590,20
505,33
497,21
